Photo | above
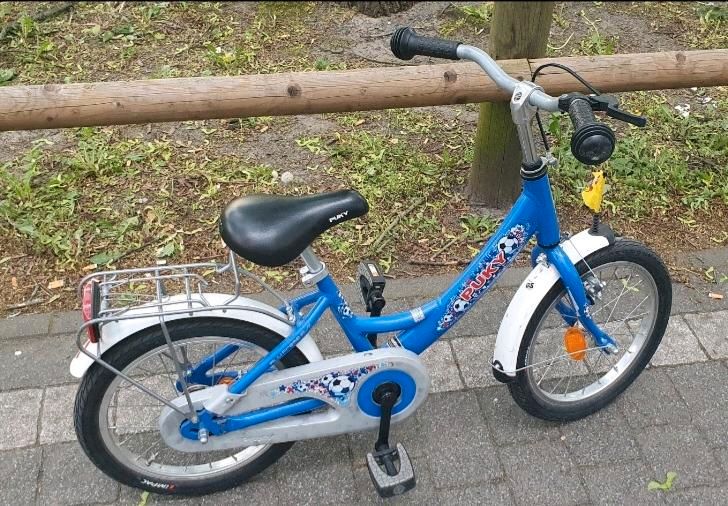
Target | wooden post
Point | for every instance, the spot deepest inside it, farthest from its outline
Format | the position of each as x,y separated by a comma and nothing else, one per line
518,30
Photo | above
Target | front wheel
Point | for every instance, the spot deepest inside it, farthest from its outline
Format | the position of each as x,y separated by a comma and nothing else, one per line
632,306
118,425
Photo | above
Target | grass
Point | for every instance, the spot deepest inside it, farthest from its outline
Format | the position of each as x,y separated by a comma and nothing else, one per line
674,167
467,19
123,196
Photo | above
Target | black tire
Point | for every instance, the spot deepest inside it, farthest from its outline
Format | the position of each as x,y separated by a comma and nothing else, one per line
528,396
98,379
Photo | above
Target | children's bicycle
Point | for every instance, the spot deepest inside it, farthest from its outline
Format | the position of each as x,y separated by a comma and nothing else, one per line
189,391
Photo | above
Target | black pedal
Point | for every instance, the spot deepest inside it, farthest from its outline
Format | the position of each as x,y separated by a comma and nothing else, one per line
391,485
390,468
371,284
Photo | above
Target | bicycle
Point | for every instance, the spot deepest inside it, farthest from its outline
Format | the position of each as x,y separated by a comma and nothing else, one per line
235,382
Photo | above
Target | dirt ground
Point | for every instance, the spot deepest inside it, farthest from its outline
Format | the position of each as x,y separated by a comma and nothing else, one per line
188,171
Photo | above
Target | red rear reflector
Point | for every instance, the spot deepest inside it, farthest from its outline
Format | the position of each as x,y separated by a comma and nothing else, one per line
90,307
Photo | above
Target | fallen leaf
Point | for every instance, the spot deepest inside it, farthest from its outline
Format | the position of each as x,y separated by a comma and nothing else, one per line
656,485
143,499
89,267
263,128
54,298
716,296
14,282
56,283
360,122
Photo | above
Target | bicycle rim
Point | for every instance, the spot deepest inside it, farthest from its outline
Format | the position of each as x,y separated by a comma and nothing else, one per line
130,431
627,310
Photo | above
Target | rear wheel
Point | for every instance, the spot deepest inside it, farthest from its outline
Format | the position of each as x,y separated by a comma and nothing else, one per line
633,307
117,424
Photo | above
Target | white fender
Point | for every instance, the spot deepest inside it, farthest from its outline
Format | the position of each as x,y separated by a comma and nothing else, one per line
114,332
529,295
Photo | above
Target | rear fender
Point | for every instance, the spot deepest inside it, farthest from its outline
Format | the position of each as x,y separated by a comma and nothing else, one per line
113,333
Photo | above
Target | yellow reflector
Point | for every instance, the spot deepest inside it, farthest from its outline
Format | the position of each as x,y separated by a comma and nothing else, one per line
575,343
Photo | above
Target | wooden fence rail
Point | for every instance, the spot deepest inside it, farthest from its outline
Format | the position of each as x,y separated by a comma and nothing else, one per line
181,99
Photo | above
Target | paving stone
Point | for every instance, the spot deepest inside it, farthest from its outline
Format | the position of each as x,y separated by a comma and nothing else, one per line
261,489
70,478
318,471
21,410
682,450
423,493
541,473
702,388
473,355
459,447
56,424
42,361
24,326
65,323
697,495
620,484
19,474
444,374
601,438
133,496
653,400
508,423
710,328
679,345
481,494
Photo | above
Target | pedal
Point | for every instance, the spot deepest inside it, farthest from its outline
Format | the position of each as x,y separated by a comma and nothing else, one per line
397,460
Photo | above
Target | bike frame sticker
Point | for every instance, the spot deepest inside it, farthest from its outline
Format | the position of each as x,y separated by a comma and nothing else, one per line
485,274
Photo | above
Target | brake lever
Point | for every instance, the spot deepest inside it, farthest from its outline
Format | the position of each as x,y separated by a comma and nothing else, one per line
610,105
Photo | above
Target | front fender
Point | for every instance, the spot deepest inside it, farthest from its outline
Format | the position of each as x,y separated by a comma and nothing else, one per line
114,332
529,295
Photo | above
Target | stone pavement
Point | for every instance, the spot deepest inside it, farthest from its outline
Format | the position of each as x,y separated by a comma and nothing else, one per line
469,442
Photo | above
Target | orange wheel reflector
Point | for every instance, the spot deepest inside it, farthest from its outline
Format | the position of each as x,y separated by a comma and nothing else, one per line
226,380
575,343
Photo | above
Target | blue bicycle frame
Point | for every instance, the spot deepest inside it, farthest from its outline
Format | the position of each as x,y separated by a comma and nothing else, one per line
533,213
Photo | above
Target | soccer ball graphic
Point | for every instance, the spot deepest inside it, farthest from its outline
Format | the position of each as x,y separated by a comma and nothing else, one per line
447,318
341,386
508,245
327,379
460,305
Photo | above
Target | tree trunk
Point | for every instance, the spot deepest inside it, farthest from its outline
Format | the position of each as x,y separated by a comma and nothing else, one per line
518,30
379,9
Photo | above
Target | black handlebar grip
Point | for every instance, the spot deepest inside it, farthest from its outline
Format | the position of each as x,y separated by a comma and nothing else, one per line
406,44
592,142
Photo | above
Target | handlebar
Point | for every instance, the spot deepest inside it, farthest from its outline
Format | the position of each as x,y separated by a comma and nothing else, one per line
592,142
406,44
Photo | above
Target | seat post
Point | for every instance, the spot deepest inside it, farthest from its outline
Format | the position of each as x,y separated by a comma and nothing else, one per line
315,270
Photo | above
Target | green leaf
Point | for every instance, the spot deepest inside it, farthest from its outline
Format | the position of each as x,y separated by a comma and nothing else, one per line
143,499
166,250
6,75
656,485
102,258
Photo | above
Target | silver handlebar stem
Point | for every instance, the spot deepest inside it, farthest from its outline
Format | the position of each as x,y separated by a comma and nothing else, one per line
502,79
